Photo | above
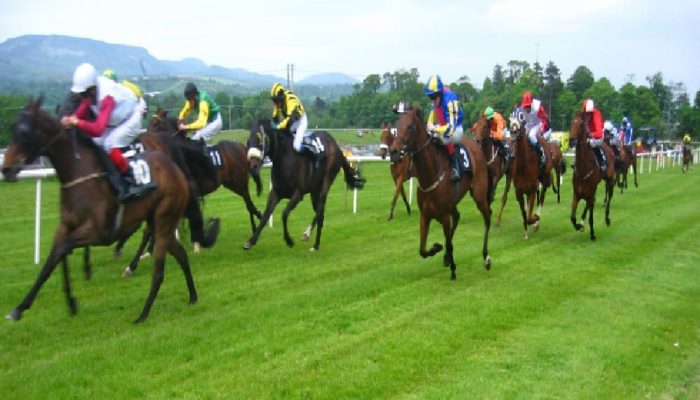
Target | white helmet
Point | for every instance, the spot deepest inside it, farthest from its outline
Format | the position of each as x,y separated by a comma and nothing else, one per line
588,105
608,126
84,77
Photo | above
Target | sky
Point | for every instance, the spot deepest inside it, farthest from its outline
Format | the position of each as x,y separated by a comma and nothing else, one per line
622,40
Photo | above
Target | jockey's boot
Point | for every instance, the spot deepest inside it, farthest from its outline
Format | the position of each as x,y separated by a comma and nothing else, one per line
309,149
540,151
503,148
203,144
600,158
456,166
131,189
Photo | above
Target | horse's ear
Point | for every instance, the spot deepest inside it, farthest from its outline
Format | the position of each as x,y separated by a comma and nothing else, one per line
35,104
402,107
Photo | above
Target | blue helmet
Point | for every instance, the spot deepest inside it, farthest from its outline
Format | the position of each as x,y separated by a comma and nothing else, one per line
434,85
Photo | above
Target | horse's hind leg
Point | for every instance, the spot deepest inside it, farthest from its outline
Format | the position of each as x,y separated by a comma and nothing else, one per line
293,202
87,263
574,205
455,217
405,199
147,239
447,230
590,204
485,209
272,200
504,199
180,255
162,243
320,210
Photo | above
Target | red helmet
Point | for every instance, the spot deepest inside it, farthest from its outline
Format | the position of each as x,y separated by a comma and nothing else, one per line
527,100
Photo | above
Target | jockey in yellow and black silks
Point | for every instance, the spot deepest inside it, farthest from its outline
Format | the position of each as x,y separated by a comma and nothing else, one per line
208,122
288,114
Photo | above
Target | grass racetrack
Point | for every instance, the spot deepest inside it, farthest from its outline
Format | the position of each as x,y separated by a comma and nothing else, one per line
558,316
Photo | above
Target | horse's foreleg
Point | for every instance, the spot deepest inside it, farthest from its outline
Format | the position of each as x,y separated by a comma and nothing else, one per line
272,200
504,199
574,205
178,252
87,263
293,201
454,222
590,204
72,305
521,202
610,189
397,190
405,199
320,209
485,209
157,278
424,227
59,250
253,211
447,230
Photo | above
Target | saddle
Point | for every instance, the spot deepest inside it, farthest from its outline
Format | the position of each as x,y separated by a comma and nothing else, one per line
214,153
137,182
313,144
464,158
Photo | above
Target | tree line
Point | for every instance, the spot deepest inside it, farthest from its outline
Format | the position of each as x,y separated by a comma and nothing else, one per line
657,108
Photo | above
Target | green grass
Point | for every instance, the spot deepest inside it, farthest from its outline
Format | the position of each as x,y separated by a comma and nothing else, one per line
558,316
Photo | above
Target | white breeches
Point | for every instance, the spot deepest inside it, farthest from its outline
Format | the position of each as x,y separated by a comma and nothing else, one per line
595,142
209,129
299,128
123,134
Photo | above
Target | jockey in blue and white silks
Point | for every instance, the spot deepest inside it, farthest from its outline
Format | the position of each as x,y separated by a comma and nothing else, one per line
445,119
627,130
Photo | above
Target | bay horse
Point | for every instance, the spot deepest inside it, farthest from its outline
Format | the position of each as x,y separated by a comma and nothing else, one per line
587,175
234,171
293,175
437,196
628,159
498,167
687,159
558,168
530,181
401,170
90,212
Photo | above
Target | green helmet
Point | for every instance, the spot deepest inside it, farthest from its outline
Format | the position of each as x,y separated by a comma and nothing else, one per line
488,112
109,73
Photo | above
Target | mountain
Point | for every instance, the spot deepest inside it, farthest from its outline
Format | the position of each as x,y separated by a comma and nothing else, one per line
332,78
54,57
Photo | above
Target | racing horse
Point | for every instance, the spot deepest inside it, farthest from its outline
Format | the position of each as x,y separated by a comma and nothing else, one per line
628,159
558,168
530,181
496,160
293,175
437,196
687,160
587,175
401,170
90,212
234,170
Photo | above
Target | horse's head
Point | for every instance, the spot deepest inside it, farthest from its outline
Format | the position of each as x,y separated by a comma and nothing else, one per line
517,124
160,122
410,133
481,128
385,140
257,141
578,129
29,138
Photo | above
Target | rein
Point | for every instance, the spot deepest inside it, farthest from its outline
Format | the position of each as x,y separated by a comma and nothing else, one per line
412,155
83,179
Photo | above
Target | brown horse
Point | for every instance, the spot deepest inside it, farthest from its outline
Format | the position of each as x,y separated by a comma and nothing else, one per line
293,175
437,196
401,170
496,160
528,178
687,159
90,212
587,175
628,159
234,170
558,168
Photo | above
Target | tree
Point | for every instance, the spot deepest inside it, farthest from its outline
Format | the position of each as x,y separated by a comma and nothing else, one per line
564,108
371,84
605,97
553,86
580,81
498,80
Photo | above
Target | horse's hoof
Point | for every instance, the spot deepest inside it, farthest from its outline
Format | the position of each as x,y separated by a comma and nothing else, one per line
487,263
117,254
290,242
247,245
128,273
197,248
14,315
312,250
193,299
73,306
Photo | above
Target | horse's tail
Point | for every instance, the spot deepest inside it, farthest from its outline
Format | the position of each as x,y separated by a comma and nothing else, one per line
353,176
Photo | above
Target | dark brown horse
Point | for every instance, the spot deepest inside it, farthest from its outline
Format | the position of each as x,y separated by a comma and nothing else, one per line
628,159
528,178
401,170
234,171
90,212
496,160
687,159
293,175
437,195
587,175
558,168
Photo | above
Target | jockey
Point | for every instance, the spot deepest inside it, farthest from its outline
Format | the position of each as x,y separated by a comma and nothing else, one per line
626,131
109,73
445,120
288,114
118,120
594,124
610,133
536,124
208,122
496,124
686,139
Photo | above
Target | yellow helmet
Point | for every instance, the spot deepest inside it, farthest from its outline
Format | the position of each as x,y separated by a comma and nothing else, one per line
277,92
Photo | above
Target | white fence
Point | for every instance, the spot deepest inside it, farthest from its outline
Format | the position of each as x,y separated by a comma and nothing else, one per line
652,161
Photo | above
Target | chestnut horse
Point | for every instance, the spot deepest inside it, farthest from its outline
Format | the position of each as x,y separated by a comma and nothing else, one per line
90,211
587,175
497,164
558,168
528,178
629,159
233,174
437,195
401,170
293,175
